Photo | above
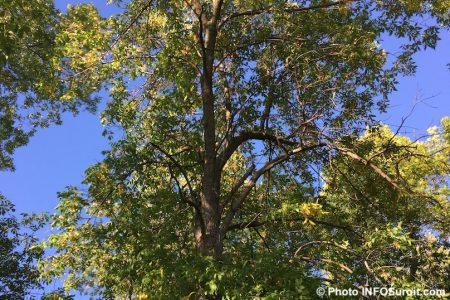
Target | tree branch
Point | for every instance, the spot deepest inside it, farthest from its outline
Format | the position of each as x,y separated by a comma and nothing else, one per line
271,9
237,203
256,223
245,136
180,167
180,190
237,186
132,22
356,157
308,244
328,261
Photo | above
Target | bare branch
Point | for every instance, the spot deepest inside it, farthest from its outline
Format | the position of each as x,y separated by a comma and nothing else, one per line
334,244
372,273
263,239
194,204
328,261
180,190
237,203
256,223
271,9
245,136
237,186
356,157
180,167
132,22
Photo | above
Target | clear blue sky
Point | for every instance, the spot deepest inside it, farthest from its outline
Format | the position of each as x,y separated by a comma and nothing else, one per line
57,156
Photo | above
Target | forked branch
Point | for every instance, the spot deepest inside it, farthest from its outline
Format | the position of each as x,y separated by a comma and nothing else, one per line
249,184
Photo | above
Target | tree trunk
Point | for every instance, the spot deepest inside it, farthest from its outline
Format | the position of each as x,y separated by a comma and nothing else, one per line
207,232
209,242
208,239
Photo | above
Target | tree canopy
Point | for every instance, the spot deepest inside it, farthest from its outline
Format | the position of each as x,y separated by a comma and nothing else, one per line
239,166
380,220
32,90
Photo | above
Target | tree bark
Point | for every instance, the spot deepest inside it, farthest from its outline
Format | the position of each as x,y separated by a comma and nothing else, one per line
209,239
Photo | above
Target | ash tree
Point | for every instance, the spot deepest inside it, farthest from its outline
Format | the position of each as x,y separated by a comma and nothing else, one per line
222,117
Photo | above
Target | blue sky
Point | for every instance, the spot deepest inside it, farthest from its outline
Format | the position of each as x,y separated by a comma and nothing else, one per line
56,157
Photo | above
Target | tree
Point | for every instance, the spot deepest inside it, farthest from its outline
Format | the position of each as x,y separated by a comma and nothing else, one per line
359,229
228,111
399,228
18,271
32,93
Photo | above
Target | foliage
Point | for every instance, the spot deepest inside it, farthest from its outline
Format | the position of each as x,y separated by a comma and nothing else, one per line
33,85
399,229
360,230
225,116
18,272
59,294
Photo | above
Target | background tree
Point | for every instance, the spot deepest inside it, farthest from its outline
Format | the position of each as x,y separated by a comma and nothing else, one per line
32,94
393,232
18,271
227,112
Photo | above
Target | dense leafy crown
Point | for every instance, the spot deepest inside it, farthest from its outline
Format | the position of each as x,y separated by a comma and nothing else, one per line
135,238
227,117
